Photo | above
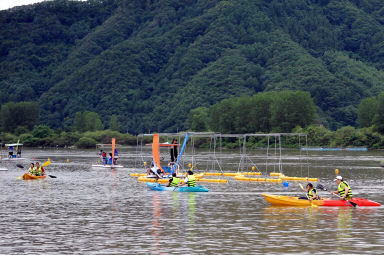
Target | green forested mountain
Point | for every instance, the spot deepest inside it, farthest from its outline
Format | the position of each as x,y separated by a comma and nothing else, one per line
151,62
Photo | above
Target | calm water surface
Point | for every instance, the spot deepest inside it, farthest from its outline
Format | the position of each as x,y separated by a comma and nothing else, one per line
104,211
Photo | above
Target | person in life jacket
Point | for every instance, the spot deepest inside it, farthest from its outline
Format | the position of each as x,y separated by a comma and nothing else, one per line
174,181
343,189
190,179
104,157
39,170
312,192
31,169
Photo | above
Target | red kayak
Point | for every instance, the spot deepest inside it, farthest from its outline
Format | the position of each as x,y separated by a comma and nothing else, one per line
357,201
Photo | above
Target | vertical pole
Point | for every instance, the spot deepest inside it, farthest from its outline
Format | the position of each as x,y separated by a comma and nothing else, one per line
280,163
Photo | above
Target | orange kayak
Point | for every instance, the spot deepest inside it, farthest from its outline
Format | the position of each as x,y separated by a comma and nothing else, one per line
28,176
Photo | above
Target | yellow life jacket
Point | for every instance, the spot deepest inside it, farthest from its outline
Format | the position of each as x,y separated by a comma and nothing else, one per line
341,189
191,180
175,182
310,193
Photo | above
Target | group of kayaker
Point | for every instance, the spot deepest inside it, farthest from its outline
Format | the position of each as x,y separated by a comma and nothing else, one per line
190,180
344,191
36,170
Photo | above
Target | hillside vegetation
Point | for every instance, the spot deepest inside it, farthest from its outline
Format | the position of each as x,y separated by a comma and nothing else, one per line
151,62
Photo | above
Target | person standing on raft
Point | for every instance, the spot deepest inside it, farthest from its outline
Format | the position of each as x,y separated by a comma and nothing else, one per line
343,189
173,150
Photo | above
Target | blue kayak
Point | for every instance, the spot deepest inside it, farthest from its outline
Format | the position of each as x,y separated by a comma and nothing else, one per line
159,187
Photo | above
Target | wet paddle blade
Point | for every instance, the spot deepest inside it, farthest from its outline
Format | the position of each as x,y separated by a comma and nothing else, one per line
46,163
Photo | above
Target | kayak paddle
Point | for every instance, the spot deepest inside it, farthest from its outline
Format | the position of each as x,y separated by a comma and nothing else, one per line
19,166
46,163
321,187
306,194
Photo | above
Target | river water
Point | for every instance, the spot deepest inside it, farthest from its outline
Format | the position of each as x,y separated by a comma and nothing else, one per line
103,211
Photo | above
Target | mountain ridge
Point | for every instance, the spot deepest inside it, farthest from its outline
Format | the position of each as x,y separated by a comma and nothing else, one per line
152,62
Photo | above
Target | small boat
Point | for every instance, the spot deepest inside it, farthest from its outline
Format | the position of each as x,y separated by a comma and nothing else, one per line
295,201
13,156
28,176
114,157
159,187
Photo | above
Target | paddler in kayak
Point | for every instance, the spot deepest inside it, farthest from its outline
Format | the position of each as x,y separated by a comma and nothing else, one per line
190,179
311,193
31,168
39,170
174,181
343,189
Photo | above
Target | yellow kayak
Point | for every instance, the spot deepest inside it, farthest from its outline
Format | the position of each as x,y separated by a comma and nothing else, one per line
291,201
28,176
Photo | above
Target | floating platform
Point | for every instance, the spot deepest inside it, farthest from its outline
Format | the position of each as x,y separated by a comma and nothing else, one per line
334,149
108,166
247,179
13,159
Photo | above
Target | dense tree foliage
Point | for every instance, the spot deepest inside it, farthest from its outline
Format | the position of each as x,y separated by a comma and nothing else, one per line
19,116
263,112
87,121
114,124
152,62
366,111
371,113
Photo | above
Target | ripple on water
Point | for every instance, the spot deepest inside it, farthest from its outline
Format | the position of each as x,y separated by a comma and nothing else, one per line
104,211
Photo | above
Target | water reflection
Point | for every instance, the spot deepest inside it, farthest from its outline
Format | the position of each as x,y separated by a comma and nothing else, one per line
88,211
156,224
191,211
344,224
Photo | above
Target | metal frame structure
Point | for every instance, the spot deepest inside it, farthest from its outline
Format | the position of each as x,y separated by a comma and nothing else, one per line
216,144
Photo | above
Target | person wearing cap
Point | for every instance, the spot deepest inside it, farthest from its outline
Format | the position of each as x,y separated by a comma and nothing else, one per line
344,190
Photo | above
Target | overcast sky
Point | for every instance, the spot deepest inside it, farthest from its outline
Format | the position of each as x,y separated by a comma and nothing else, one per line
6,4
